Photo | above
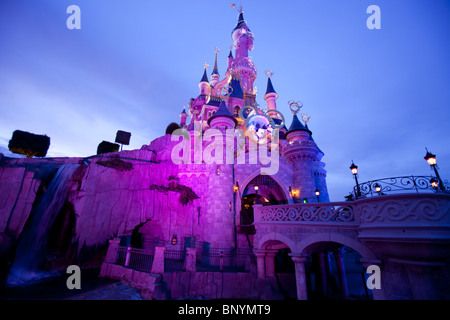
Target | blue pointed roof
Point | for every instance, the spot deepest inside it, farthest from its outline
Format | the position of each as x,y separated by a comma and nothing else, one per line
297,125
237,92
230,55
222,112
270,88
241,22
215,70
205,77
183,112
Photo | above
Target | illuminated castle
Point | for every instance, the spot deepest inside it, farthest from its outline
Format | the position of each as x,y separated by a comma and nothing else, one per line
202,211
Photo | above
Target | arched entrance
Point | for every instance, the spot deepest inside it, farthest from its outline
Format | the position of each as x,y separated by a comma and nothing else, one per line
264,190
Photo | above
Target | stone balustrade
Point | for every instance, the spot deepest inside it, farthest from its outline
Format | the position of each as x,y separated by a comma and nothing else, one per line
389,210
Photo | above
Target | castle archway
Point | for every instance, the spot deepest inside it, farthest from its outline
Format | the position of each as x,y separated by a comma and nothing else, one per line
262,189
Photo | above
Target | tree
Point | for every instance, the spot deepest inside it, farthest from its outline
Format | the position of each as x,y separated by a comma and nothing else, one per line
106,147
172,127
29,144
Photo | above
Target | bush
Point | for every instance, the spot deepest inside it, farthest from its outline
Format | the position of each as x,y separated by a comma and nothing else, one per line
29,144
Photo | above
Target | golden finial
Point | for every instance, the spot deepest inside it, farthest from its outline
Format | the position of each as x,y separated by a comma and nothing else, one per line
206,65
268,73
295,106
233,5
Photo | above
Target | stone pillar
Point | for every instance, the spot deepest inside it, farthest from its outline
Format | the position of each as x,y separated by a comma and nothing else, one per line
127,258
378,294
158,260
113,248
261,263
341,274
323,274
190,261
270,262
300,276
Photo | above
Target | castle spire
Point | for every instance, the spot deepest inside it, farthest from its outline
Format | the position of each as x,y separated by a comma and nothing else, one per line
271,95
216,69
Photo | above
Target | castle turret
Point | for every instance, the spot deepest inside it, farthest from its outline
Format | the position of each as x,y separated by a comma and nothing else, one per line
301,151
215,76
222,118
183,117
270,96
205,87
241,65
221,218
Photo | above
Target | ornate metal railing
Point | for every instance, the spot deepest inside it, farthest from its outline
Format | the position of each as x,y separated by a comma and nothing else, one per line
312,212
418,184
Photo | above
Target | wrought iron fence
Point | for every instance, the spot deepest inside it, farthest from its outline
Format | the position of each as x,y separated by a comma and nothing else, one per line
227,260
418,184
138,259
208,259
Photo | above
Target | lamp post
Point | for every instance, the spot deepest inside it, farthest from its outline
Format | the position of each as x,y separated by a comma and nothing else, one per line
354,169
434,183
377,188
317,192
431,159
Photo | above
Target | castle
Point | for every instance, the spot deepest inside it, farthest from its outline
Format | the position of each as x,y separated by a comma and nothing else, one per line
234,199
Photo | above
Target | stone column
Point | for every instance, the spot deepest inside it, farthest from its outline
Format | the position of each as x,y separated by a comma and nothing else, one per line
341,274
158,260
190,261
323,274
300,276
378,294
127,257
261,263
113,248
270,262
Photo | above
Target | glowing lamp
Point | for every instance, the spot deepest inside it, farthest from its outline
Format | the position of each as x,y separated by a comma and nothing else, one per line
431,158
354,168
377,187
174,239
434,183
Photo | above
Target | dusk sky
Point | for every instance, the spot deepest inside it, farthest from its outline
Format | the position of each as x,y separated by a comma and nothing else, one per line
378,97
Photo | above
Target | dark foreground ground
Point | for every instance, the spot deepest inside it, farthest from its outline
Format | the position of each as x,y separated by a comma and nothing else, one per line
92,288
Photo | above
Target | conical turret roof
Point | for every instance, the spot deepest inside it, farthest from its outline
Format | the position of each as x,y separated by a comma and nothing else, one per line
222,111
297,125
205,77
270,88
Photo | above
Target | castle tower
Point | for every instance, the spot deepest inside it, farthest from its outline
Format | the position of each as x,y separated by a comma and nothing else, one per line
270,96
320,173
220,220
241,66
301,151
183,117
215,76
204,85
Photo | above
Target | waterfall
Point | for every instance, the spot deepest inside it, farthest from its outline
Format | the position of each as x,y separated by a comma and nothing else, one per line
33,242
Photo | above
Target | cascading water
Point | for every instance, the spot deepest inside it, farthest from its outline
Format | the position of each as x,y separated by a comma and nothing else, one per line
32,245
